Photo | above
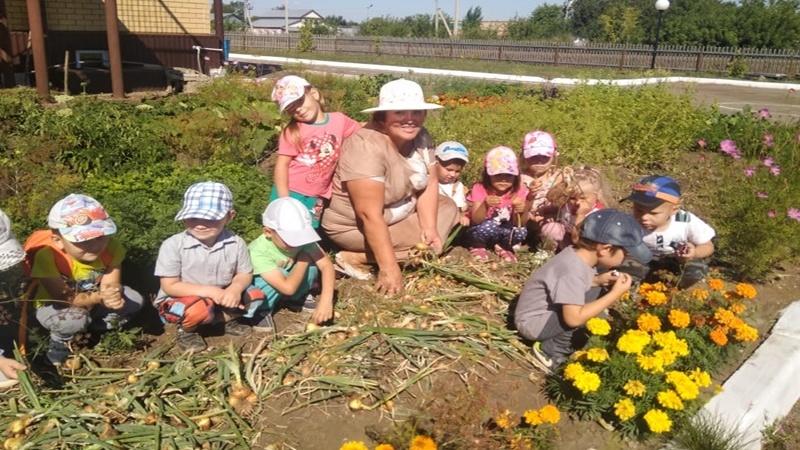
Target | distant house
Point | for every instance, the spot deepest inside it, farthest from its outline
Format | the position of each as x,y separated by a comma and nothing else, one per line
274,21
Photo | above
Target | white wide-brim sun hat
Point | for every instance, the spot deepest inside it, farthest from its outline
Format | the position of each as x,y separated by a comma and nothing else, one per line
402,95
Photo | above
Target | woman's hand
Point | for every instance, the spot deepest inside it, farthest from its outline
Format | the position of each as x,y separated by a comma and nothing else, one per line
390,282
432,239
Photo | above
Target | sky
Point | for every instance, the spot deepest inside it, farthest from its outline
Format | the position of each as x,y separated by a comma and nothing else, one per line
358,10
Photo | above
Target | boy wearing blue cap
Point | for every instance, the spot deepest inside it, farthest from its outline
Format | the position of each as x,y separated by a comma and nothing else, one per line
553,305
205,270
451,157
78,267
678,239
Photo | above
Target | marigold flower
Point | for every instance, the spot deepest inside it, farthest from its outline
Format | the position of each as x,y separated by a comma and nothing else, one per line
648,322
678,318
666,356
597,354
550,414
384,447
634,388
670,400
658,421
715,284
746,290
354,445
718,336
686,388
625,296
699,320
737,308
532,417
587,382
573,371
699,294
736,323
598,326
624,409
503,420
652,363
422,443
724,316
700,377
633,341
655,298
746,333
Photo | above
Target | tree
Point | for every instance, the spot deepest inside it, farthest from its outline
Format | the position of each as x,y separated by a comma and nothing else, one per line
621,25
768,23
470,27
585,18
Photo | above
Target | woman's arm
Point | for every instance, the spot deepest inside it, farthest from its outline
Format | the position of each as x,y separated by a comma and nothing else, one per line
427,211
281,175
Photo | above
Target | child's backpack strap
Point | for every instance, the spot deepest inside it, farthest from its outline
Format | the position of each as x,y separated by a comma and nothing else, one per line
43,238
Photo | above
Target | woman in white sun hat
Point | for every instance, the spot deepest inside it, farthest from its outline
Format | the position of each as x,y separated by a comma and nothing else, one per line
385,191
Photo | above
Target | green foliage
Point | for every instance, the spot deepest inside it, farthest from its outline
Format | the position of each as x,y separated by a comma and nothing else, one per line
708,432
737,66
306,43
118,341
546,22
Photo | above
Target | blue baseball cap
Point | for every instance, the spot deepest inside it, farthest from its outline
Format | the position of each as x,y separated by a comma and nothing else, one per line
612,226
655,190
451,150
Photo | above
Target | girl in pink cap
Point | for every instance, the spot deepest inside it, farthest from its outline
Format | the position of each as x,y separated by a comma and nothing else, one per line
309,145
498,207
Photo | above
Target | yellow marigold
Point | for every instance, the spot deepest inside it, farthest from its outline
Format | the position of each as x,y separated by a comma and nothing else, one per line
666,356
579,355
648,322
633,341
624,409
746,290
746,333
644,288
354,445
678,318
658,421
532,417
634,388
736,323
737,308
670,400
655,298
598,326
384,447
686,388
718,336
587,382
652,364
422,443
597,354
573,371
715,284
700,294
700,377
724,316
625,296
550,414
503,420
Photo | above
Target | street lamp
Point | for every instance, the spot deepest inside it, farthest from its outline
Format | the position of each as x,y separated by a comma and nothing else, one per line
661,6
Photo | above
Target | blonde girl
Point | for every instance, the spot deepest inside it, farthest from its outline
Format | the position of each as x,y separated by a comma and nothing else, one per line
309,145
587,192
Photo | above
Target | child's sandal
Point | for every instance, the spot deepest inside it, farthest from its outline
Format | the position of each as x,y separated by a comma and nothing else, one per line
505,255
479,254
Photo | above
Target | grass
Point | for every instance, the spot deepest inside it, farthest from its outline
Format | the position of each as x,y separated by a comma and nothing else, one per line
708,432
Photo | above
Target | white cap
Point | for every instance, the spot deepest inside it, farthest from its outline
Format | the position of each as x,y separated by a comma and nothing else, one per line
291,220
11,252
402,95
451,150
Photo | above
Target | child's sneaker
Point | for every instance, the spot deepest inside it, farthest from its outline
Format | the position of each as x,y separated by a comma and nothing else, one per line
236,328
190,341
505,255
308,304
57,352
541,359
265,325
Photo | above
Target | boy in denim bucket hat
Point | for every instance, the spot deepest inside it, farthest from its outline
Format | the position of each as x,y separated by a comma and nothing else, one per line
680,241
205,270
78,267
553,304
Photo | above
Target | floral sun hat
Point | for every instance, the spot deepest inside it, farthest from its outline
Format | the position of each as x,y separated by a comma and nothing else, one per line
402,95
501,160
288,90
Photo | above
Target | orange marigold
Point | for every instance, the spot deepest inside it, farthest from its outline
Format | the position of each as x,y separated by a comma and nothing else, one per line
422,443
648,322
724,316
700,294
550,414
715,284
532,417
718,336
736,323
746,290
737,308
655,298
678,318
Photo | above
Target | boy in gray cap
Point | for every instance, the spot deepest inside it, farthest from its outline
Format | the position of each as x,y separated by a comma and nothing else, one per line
553,305
205,270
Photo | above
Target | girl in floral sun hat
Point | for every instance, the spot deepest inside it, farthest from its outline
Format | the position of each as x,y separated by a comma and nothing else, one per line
498,207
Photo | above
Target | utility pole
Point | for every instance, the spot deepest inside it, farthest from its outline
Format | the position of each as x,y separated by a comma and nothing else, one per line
286,15
455,22
436,18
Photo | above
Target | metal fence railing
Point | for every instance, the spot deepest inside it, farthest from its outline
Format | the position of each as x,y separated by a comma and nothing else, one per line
622,56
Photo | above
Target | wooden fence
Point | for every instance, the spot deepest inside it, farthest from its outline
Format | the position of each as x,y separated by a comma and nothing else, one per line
620,56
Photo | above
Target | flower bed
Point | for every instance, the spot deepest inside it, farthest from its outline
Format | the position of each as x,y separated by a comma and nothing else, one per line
650,365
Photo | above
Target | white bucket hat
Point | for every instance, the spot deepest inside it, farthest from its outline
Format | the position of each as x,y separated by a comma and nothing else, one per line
402,95
11,251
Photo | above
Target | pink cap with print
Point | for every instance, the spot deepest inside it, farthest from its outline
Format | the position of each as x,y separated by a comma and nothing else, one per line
502,160
538,143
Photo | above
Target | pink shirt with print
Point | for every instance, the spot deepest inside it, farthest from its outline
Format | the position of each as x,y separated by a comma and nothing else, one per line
312,166
502,212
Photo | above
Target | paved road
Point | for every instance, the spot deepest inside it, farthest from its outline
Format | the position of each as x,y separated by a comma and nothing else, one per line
783,104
